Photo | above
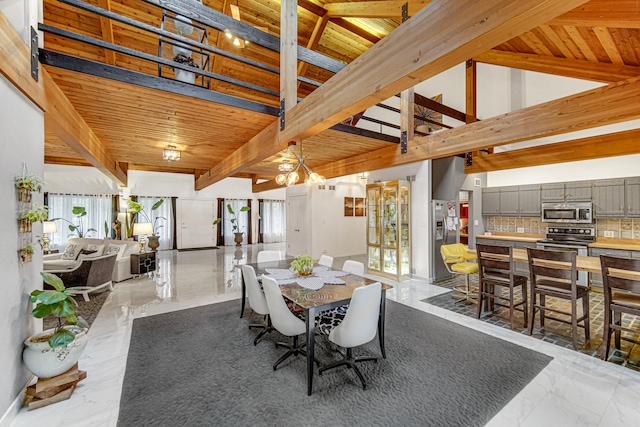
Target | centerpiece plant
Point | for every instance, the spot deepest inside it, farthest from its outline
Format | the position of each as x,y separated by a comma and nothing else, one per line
303,265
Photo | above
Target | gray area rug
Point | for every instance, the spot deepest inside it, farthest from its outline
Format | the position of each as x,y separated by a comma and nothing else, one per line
198,367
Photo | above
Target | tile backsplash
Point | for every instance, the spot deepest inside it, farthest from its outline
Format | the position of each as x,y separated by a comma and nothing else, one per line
625,228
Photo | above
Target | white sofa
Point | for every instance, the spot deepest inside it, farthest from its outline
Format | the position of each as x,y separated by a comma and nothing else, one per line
72,256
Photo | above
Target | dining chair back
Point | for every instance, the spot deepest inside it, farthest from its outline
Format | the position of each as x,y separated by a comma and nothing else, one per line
257,300
268,256
496,270
358,327
283,320
621,286
554,274
326,260
353,267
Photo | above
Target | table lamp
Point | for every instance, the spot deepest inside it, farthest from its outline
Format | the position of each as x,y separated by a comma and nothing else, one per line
48,227
142,229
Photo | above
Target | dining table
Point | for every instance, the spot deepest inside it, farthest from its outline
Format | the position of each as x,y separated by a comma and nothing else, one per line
327,296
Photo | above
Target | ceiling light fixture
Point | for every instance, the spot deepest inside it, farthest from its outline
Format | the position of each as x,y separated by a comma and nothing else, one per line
171,154
291,177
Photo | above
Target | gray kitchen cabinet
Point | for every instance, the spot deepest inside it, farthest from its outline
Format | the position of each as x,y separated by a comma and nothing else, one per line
632,196
566,192
491,201
595,279
608,198
553,192
509,201
529,200
579,191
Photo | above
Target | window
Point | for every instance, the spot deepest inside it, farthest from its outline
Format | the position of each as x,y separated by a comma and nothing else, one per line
98,215
273,220
242,218
161,218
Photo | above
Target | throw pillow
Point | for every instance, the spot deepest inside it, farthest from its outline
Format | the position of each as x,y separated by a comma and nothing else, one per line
71,252
116,249
97,248
87,253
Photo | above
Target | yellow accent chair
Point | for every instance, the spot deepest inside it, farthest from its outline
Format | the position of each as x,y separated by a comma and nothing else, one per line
457,259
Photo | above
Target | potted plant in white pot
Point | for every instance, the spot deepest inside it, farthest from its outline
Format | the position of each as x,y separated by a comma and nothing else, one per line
303,265
55,351
184,75
237,231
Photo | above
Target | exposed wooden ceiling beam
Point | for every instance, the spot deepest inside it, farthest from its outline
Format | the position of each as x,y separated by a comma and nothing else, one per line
358,31
579,69
575,112
321,24
107,32
594,147
55,160
440,108
65,122
374,9
59,114
15,63
367,80
602,13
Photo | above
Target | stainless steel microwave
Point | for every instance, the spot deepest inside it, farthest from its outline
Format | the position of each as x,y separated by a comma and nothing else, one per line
576,212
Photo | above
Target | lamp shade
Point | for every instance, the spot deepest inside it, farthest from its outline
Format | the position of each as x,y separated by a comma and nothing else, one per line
142,228
49,227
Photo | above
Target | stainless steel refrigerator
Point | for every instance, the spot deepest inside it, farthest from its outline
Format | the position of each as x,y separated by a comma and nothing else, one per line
445,229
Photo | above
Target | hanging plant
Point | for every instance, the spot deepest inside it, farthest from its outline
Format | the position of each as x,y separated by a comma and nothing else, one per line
29,182
184,59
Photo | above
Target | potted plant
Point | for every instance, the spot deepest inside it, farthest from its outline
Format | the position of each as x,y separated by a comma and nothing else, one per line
184,75
303,265
136,208
26,253
234,222
39,213
55,351
26,183
77,229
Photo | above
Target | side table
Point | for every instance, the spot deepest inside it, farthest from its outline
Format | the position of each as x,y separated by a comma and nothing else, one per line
142,263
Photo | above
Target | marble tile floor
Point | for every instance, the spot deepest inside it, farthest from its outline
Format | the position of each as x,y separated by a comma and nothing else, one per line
573,390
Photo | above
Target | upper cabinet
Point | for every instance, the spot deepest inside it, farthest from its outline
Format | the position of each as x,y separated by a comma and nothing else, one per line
608,198
560,192
521,200
632,195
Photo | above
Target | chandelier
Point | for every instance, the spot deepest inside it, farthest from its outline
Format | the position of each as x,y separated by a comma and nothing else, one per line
171,154
290,172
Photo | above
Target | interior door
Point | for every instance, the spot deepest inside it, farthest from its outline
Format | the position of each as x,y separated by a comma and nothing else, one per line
297,225
195,223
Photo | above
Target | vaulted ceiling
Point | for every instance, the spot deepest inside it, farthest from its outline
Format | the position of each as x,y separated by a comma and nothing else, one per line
227,125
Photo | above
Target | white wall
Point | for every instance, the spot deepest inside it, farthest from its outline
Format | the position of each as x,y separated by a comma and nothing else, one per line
21,126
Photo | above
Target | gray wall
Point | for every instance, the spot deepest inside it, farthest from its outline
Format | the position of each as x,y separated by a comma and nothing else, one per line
22,139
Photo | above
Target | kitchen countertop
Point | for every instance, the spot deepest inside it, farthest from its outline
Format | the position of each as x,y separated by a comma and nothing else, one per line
522,238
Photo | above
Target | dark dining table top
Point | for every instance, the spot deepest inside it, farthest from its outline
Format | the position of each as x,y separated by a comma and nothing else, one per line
327,295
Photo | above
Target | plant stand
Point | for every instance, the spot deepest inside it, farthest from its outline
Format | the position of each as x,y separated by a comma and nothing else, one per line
52,390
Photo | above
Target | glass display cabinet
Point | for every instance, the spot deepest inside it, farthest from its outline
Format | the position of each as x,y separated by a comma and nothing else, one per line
388,230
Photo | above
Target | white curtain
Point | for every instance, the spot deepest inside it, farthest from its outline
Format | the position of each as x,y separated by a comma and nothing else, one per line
61,206
163,228
274,220
242,220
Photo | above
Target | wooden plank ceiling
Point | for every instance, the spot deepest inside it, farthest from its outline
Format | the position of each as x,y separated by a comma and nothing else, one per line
599,40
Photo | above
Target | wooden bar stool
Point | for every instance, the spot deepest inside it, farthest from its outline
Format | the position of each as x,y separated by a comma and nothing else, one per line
554,274
496,269
621,296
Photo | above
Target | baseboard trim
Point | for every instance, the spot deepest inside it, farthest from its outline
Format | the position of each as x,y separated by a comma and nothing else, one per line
12,412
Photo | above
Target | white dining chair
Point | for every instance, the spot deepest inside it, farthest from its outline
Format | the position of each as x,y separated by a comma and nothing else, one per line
257,301
358,327
353,267
268,256
326,260
283,320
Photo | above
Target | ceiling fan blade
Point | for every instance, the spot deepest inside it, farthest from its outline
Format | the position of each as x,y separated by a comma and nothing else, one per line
235,12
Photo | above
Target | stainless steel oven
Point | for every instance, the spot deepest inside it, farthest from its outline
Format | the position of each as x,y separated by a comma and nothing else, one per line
572,238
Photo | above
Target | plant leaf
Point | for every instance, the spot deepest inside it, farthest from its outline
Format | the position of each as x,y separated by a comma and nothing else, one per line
244,208
230,210
157,204
82,323
78,210
53,280
61,337
41,311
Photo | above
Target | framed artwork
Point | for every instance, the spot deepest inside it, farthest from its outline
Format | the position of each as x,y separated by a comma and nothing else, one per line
359,206
348,206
